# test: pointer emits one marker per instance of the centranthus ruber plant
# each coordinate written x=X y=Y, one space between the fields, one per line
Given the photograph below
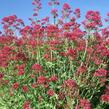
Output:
x=54 y=66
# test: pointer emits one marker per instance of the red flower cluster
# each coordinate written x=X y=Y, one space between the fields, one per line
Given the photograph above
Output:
x=15 y=85
x=66 y=6
x=24 y=88
x=50 y=92
x=54 y=12
x=11 y=22
x=77 y=12
x=93 y=20
x=37 y=4
x=100 y=73
x=26 y=105
x=37 y=68
x=41 y=80
x=70 y=83
x=66 y=10
x=85 y=104
x=53 y=78
x=105 y=98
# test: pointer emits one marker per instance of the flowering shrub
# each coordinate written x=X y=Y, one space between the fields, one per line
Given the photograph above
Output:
x=54 y=66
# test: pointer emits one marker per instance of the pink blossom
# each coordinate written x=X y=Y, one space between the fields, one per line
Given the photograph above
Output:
x=100 y=72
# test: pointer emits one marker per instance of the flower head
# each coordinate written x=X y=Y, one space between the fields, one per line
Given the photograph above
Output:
x=100 y=73
x=105 y=98
x=41 y=80
x=70 y=83
x=15 y=85
x=85 y=104
x=37 y=67
x=50 y=92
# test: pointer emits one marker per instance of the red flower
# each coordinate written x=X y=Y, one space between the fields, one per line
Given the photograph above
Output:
x=13 y=17
x=15 y=85
x=21 y=56
x=26 y=105
x=5 y=19
x=71 y=52
x=96 y=61
x=37 y=67
x=54 y=12
x=100 y=73
x=33 y=85
x=66 y=6
x=81 y=69
x=46 y=56
x=70 y=83
x=50 y=92
x=105 y=98
x=24 y=88
x=93 y=19
x=77 y=12
x=41 y=80
x=20 y=67
x=53 y=78
x=62 y=54
x=20 y=72
x=85 y=104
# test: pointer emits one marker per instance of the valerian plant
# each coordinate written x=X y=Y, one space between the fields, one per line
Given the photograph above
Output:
x=54 y=66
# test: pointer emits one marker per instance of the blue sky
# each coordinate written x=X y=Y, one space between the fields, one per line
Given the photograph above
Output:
x=24 y=9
